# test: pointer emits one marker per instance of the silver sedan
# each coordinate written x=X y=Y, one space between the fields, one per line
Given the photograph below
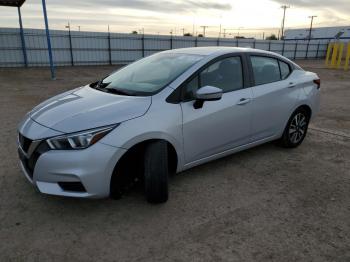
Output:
x=161 y=115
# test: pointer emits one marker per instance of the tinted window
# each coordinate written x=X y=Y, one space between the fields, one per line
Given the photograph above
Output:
x=285 y=70
x=190 y=89
x=150 y=74
x=265 y=69
x=225 y=74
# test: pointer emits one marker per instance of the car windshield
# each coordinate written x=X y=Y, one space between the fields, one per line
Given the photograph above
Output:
x=149 y=75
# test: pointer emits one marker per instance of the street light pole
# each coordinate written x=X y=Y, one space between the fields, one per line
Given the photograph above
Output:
x=312 y=19
x=22 y=37
x=52 y=68
x=283 y=20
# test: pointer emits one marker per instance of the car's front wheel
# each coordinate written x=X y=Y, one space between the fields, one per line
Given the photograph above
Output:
x=156 y=172
x=296 y=129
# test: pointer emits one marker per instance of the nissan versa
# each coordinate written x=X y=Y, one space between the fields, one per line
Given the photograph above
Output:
x=163 y=114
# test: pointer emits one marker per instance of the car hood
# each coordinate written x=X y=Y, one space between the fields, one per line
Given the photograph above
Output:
x=85 y=108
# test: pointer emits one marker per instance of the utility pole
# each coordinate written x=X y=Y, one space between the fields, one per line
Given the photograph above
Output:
x=79 y=28
x=220 y=26
x=183 y=31
x=312 y=19
x=284 y=7
x=70 y=44
x=193 y=25
x=204 y=27
x=227 y=29
x=239 y=28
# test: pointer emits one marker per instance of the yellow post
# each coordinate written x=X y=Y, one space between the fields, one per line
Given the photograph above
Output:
x=329 y=49
x=334 y=55
x=347 y=58
x=340 y=56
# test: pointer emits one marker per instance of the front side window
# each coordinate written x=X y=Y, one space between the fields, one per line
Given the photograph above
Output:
x=265 y=70
x=150 y=74
x=226 y=74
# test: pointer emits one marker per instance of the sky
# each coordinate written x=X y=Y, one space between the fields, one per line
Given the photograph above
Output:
x=244 y=17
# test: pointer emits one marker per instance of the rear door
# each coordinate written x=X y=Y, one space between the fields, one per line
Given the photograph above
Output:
x=275 y=95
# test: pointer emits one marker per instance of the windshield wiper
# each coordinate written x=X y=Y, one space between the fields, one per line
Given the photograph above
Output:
x=113 y=90
x=118 y=91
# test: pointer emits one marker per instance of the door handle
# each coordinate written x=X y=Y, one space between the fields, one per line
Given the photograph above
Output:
x=243 y=101
x=291 y=85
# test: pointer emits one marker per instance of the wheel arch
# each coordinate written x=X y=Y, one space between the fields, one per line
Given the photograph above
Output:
x=132 y=160
x=305 y=107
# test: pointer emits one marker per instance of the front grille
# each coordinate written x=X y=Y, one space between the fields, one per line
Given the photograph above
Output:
x=29 y=161
x=24 y=142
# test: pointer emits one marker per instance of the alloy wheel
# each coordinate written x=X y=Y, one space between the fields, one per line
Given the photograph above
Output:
x=297 y=128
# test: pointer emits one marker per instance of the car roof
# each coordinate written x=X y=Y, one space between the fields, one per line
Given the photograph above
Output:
x=215 y=50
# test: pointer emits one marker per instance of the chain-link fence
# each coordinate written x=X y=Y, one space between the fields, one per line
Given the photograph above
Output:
x=94 y=48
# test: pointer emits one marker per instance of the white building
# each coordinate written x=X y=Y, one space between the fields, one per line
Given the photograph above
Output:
x=320 y=33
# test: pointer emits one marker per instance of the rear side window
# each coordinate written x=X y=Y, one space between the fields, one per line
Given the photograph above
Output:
x=285 y=70
x=265 y=70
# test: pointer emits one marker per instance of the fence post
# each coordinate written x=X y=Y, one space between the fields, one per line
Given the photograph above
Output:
x=143 y=45
x=196 y=41
x=218 y=41
x=109 y=48
x=236 y=42
x=318 y=48
x=70 y=47
x=254 y=43
x=171 y=41
x=307 y=49
x=283 y=46
x=269 y=45
x=295 y=50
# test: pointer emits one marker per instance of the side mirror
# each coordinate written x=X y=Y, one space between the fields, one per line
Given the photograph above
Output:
x=207 y=93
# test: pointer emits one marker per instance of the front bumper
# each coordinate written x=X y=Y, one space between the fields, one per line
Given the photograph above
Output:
x=92 y=167
x=75 y=173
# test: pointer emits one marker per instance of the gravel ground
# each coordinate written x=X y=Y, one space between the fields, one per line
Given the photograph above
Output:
x=263 y=204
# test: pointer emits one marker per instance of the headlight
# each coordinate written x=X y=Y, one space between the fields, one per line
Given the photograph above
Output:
x=79 y=140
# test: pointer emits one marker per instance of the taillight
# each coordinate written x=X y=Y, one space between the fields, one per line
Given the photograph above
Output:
x=318 y=83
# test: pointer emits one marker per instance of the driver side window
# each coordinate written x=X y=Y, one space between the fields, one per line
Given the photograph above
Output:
x=226 y=74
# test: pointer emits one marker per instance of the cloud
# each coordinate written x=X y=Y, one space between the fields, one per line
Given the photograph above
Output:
x=341 y=6
x=148 y=5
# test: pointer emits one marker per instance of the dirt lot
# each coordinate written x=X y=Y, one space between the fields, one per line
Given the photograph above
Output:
x=264 y=204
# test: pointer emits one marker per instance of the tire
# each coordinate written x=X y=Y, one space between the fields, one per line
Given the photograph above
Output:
x=296 y=129
x=156 y=172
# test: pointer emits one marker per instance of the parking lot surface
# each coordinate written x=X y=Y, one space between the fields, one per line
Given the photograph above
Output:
x=264 y=204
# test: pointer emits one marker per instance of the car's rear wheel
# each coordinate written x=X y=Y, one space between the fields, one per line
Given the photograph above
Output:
x=156 y=172
x=296 y=129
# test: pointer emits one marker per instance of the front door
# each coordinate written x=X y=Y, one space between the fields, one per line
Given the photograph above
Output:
x=218 y=125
